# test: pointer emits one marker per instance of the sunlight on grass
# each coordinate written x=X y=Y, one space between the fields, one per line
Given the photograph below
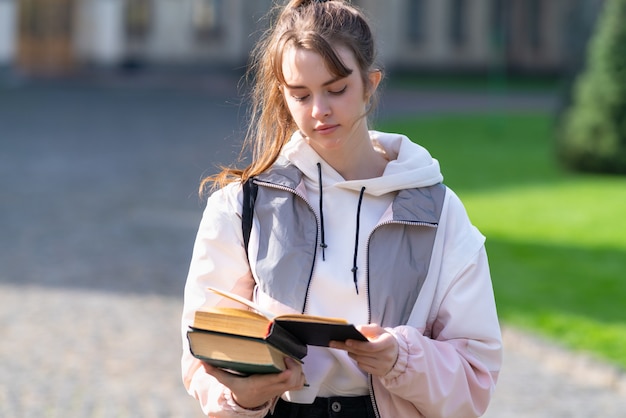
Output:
x=587 y=212
x=556 y=240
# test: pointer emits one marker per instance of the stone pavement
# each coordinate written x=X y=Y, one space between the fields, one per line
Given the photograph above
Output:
x=98 y=212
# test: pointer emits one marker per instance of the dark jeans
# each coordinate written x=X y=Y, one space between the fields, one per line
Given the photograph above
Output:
x=336 y=407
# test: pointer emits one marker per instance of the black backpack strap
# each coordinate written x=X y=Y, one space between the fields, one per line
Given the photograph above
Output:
x=249 y=196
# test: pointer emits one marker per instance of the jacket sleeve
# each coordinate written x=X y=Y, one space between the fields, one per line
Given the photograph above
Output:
x=450 y=368
x=219 y=260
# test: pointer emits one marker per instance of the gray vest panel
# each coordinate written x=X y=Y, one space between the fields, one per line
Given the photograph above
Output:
x=398 y=257
x=287 y=237
x=399 y=254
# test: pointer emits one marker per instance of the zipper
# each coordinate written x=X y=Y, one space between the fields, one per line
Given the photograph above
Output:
x=372 y=397
x=306 y=298
x=317 y=221
x=367 y=289
x=367 y=251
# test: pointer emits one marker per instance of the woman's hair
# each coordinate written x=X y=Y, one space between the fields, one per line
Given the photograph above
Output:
x=314 y=25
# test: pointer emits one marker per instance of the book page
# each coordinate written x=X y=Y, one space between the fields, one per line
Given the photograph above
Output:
x=243 y=301
x=310 y=318
x=272 y=316
x=235 y=312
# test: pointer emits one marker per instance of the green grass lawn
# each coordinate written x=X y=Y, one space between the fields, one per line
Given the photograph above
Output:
x=492 y=81
x=556 y=240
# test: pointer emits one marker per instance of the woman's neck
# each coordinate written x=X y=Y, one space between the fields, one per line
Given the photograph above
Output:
x=358 y=163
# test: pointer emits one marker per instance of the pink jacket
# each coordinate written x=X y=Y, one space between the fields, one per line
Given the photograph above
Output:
x=450 y=348
x=441 y=370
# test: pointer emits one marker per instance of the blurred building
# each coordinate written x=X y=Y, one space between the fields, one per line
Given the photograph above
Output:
x=61 y=36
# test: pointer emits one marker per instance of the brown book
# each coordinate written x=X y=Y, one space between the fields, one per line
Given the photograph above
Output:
x=251 y=340
x=236 y=354
x=307 y=329
x=246 y=323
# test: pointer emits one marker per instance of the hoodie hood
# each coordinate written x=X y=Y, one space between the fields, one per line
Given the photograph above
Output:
x=410 y=165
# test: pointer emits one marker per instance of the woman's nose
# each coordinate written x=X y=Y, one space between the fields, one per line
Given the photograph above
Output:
x=321 y=109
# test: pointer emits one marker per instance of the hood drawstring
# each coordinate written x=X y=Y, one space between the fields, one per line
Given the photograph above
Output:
x=323 y=245
x=323 y=242
x=356 y=240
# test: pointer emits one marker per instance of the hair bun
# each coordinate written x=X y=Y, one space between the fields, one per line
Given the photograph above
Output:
x=303 y=3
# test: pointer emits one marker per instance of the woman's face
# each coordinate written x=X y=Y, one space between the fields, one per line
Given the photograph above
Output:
x=328 y=110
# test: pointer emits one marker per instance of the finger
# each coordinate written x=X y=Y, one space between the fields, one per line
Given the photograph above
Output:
x=224 y=377
x=292 y=364
x=373 y=348
x=299 y=378
x=351 y=345
x=214 y=371
x=371 y=331
x=373 y=366
x=270 y=382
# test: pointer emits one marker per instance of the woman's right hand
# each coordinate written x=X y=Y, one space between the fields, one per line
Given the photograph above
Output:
x=256 y=390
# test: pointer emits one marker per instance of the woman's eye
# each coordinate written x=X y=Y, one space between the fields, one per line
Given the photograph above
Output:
x=338 y=92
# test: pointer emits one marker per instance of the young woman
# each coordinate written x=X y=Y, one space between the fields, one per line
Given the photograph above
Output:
x=347 y=223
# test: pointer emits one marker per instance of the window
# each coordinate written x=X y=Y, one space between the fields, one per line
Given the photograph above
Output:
x=138 y=17
x=206 y=18
x=416 y=25
x=46 y=19
x=534 y=15
x=499 y=28
x=458 y=22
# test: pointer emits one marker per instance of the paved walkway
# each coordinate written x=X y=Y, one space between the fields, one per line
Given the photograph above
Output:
x=98 y=214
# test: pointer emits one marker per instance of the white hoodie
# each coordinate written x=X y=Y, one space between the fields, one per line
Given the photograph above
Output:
x=450 y=348
x=332 y=292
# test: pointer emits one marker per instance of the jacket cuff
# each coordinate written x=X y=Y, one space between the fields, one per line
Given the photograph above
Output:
x=233 y=406
x=403 y=357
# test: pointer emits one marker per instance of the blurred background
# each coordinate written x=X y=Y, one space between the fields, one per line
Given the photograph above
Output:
x=55 y=37
x=111 y=112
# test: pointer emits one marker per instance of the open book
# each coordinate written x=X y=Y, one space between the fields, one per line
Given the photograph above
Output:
x=308 y=329
x=253 y=340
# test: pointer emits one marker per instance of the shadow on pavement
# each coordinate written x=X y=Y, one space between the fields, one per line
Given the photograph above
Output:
x=98 y=182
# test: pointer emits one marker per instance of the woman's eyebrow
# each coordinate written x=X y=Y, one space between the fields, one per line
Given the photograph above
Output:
x=325 y=84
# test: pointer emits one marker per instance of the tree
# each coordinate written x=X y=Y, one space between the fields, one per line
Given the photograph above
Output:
x=592 y=131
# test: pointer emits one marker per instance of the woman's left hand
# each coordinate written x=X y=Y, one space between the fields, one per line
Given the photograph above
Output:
x=376 y=356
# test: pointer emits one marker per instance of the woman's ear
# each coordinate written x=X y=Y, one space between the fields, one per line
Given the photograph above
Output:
x=375 y=77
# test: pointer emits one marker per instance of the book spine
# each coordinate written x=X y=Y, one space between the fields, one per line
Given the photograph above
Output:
x=285 y=341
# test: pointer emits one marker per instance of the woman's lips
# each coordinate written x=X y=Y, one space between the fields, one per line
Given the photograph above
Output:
x=326 y=129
